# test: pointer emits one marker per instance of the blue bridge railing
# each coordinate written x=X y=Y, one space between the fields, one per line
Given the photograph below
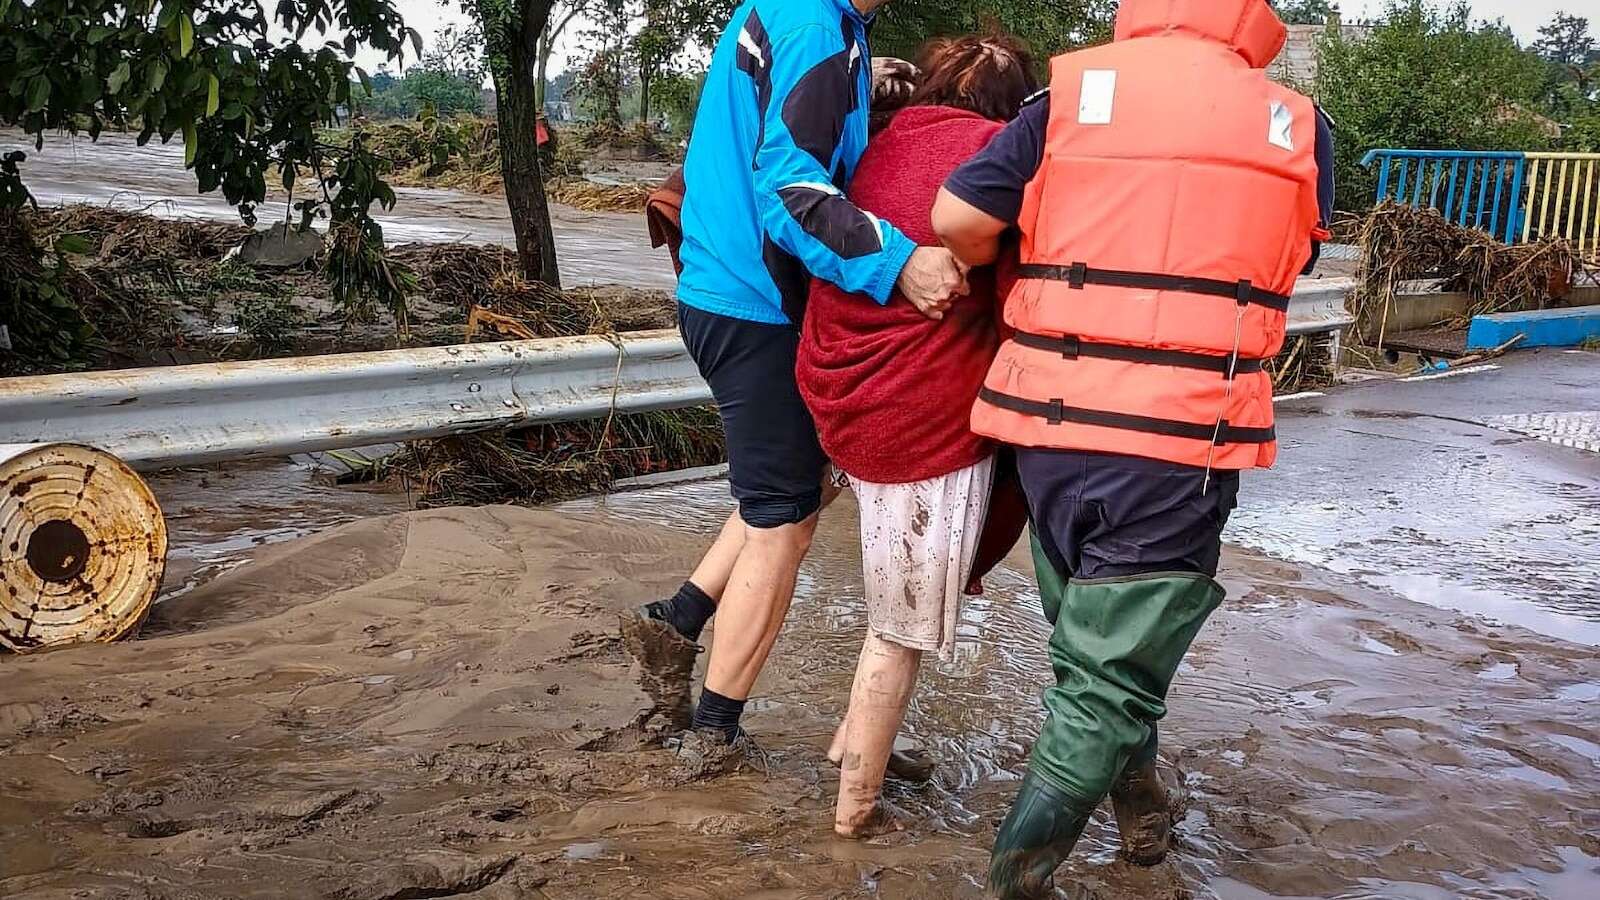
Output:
x=1513 y=195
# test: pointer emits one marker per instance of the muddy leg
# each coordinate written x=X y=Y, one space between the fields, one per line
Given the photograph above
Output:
x=884 y=678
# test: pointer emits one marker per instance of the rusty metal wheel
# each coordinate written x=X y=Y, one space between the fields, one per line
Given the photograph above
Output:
x=83 y=547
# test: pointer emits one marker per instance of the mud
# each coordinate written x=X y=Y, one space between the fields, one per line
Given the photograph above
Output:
x=594 y=247
x=439 y=704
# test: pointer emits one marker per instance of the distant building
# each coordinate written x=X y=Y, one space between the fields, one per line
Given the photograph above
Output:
x=1296 y=66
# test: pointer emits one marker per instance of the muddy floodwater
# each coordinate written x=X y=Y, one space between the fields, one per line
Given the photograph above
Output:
x=436 y=704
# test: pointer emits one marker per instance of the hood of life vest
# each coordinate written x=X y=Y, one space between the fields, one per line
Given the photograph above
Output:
x=1249 y=27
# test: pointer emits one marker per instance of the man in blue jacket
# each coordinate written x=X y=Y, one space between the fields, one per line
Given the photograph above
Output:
x=781 y=125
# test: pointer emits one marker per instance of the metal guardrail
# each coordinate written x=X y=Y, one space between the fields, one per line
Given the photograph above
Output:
x=180 y=415
x=1318 y=305
x=1513 y=195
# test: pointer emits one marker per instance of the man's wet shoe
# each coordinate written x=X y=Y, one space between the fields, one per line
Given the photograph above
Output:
x=914 y=765
x=666 y=667
x=710 y=752
x=1144 y=814
x=1038 y=835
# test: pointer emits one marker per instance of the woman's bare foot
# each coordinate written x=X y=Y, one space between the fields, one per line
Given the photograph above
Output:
x=882 y=818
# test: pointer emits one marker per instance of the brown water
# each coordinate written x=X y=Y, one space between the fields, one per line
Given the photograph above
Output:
x=436 y=704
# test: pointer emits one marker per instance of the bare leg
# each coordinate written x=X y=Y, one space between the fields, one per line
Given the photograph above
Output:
x=754 y=605
x=885 y=676
x=836 y=747
x=716 y=567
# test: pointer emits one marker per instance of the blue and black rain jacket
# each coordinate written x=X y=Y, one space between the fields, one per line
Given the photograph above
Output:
x=781 y=125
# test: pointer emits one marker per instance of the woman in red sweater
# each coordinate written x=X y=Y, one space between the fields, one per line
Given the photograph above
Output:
x=891 y=392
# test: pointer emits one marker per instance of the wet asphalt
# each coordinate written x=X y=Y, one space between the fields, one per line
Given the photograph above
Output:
x=1476 y=490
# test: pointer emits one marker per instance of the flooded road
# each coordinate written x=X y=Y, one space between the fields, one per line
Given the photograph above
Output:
x=593 y=247
x=1477 y=492
x=436 y=704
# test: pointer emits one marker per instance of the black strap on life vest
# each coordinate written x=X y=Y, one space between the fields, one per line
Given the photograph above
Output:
x=1071 y=347
x=1079 y=274
x=1055 y=413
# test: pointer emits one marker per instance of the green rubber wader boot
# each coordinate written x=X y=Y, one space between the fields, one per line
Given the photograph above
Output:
x=1138 y=798
x=1038 y=835
x=1115 y=649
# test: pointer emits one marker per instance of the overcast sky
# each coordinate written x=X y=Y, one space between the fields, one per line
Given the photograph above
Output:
x=1524 y=17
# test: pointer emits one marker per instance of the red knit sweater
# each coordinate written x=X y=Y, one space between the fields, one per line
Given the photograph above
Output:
x=891 y=391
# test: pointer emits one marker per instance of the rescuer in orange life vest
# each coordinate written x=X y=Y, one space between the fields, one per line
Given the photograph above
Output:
x=1166 y=195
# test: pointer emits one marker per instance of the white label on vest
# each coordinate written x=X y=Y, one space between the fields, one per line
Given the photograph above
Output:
x=1280 y=127
x=1096 y=96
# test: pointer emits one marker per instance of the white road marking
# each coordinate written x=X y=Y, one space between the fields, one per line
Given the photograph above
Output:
x=1578 y=430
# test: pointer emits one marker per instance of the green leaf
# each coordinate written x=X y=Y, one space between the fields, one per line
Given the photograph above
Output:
x=191 y=145
x=156 y=76
x=99 y=33
x=118 y=77
x=213 y=96
x=185 y=37
x=38 y=93
x=73 y=243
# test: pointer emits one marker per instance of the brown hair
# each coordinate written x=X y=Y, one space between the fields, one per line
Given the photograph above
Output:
x=987 y=74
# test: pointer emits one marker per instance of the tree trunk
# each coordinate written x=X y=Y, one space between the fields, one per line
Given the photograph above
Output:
x=546 y=43
x=514 y=53
x=644 y=95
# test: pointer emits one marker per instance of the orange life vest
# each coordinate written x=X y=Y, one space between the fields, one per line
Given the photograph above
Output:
x=1161 y=238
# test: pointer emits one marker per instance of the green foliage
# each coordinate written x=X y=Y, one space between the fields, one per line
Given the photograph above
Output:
x=603 y=75
x=361 y=277
x=1304 y=12
x=38 y=301
x=677 y=96
x=269 y=321
x=1049 y=27
x=215 y=74
x=447 y=93
x=1426 y=78
x=1566 y=41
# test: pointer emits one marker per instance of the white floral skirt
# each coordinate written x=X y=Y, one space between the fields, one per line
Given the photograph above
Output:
x=917 y=545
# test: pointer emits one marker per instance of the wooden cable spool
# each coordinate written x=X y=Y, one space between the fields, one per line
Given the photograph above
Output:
x=83 y=547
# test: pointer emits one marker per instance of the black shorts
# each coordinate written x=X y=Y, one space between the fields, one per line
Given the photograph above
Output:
x=1105 y=515
x=775 y=464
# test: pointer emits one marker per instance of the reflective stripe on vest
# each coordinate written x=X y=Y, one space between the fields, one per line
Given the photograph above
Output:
x=1079 y=274
x=1055 y=412
x=1072 y=348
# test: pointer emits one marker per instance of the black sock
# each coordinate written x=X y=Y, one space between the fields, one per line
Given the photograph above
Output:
x=689 y=610
x=719 y=712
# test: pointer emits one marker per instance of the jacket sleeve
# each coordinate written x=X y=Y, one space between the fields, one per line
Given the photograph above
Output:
x=813 y=92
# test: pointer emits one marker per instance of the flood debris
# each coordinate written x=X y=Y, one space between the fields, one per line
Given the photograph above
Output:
x=1402 y=243
x=553 y=462
x=145 y=291
x=591 y=196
